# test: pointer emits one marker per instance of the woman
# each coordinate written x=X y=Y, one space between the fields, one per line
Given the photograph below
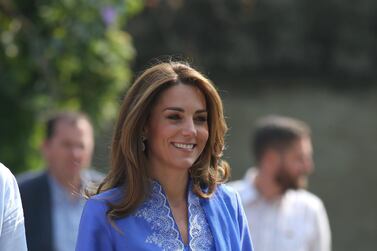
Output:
x=163 y=190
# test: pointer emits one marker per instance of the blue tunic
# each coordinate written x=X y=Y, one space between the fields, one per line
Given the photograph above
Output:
x=218 y=223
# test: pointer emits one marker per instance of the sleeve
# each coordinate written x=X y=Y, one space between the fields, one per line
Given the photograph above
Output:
x=323 y=234
x=12 y=227
x=94 y=231
x=245 y=238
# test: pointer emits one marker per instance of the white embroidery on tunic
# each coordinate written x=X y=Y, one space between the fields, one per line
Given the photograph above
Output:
x=156 y=211
x=200 y=234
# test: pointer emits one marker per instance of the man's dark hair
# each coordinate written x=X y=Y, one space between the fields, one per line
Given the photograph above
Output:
x=70 y=117
x=277 y=132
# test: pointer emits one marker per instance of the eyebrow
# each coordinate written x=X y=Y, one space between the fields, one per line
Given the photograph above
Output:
x=182 y=110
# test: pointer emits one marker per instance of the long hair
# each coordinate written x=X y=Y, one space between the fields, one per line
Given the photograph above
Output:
x=128 y=160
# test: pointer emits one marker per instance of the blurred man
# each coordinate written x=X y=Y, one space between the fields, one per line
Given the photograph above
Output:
x=282 y=215
x=51 y=200
x=12 y=229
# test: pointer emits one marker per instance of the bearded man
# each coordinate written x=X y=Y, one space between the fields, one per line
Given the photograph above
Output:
x=283 y=215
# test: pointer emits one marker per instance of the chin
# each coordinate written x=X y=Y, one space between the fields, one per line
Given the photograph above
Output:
x=186 y=165
x=73 y=171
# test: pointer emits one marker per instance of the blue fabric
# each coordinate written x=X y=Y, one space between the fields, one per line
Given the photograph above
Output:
x=222 y=225
x=227 y=219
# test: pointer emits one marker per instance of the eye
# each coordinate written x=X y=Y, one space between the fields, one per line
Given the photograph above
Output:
x=174 y=116
x=81 y=146
x=201 y=118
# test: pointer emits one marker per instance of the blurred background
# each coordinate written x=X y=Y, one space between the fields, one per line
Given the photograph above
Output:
x=314 y=60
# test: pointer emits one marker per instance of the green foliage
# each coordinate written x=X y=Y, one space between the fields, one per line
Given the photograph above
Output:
x=67 y=54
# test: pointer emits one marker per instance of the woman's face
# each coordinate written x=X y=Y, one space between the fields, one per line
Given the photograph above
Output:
x=177 y=130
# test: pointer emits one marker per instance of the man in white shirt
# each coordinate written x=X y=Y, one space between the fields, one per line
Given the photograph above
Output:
x=12 y=229
x=281 y=214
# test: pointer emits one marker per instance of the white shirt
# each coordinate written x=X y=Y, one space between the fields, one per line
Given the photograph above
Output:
x=297 y=221
x=12 y=228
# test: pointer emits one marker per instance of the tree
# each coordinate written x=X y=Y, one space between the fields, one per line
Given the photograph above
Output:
x=67 y=54
x=248 y=39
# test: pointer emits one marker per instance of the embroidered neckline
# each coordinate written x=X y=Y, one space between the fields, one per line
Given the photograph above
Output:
x=200 y=235
x=156 y=211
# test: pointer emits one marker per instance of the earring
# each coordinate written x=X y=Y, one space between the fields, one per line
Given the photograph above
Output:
x=143 y=138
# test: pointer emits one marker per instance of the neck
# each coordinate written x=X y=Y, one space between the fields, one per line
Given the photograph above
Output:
x=173 y=183
x=267 y=186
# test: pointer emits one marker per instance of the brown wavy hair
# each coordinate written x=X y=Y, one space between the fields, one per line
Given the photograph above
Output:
x=128 y=160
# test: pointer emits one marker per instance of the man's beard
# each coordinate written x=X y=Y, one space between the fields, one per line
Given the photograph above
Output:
x=288 y=181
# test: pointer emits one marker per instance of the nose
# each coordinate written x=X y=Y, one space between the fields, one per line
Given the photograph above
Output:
x=189 y=129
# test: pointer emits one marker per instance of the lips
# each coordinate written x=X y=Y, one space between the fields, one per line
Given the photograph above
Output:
x=184 y=146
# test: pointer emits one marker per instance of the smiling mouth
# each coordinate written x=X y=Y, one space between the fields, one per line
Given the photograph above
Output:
x=184 y=146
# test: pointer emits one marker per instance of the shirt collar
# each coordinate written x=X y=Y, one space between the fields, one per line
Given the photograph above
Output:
x=250 y=193
x=59 y=191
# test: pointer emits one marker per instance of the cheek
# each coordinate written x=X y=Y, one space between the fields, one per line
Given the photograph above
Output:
x=87 y=154
x=203 y=134
x=158 y=135
x=296 y=168
x=55 y=152
x=165 y=132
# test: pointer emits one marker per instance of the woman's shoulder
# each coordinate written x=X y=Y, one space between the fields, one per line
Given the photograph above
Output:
x=95 y=226
x=110 y=195
x=227 y=194
x=100 y=202
x=226 y=191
